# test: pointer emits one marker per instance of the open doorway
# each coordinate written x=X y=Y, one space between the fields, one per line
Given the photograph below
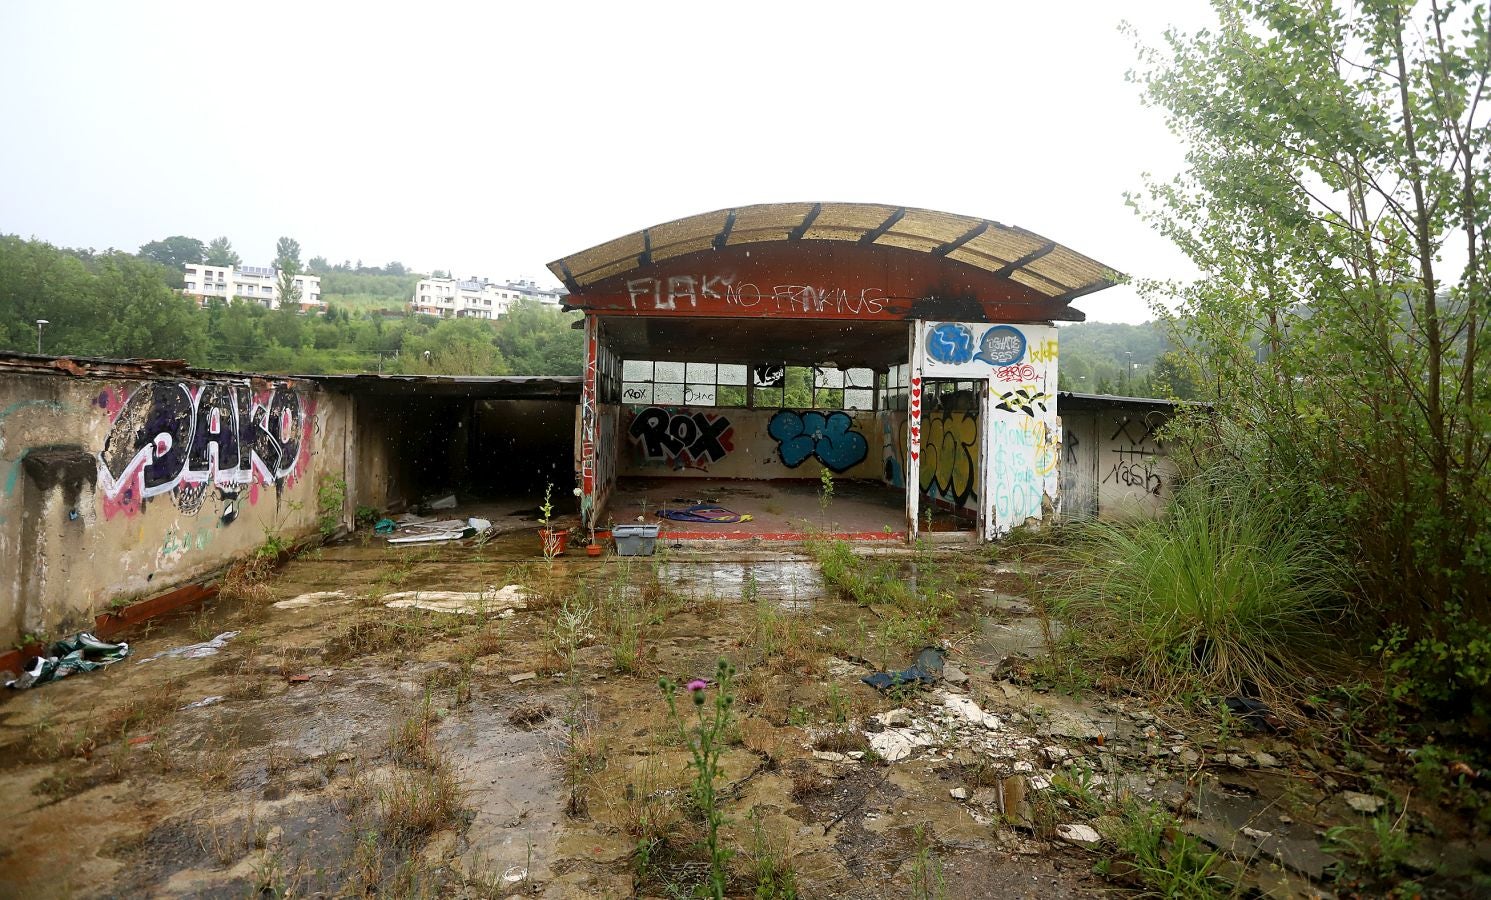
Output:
x=952 y=452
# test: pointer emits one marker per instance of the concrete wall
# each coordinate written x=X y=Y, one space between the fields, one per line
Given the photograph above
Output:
x=116 y=488
x=1111 y=465
x=710 y=442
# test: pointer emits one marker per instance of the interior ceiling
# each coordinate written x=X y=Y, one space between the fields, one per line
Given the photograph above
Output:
x=876 y=344
x=1042 y=265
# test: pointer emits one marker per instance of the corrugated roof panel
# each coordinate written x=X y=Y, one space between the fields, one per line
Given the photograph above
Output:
x=834 y=233
x=1071 y=268
x=707 y=226
x=1058 y=272
x=602 y=254
x=940 y=227
x=861 y=216
x=910 y=241
x=758 y=234
x=771 y=216
x=1004 y=244
x=615 y=268
x=1036 y=282
x=681 y=247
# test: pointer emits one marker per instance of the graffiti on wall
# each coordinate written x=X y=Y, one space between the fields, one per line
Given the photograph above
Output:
x=684 y=440
x=182 y=439
x=1017 y=489
x=950 y=454
x=828 y=437
x=705 y=291
x=1025 y=400
x=1001 y=346
x=1137 y=463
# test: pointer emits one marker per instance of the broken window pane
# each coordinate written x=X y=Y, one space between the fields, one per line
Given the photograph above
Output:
x=859 y=398
x=859 y=378
x=769 y=375
x=730 y=395
x=828 y=378
x=669 y=371
x=732 y=374
x=637 y=370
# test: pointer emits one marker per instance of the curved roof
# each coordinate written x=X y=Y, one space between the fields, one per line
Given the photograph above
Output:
x=1028 y=259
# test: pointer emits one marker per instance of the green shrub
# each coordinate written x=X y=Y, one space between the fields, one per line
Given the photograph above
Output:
x=1229 y=591
x=1444 y=674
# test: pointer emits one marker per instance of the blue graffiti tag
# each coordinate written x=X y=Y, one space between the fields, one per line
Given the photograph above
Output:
x=950 y=343
x=829 y=437
x=1001 y=346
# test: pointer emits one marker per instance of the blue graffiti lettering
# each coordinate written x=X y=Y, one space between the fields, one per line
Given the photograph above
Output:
x=830 y=438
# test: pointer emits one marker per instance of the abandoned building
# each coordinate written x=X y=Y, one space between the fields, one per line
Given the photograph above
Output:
x=870 y=371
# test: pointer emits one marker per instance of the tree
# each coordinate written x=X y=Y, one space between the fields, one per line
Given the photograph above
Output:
x=318 y=265
x=175 y=251
x=1335 y=202
x=221 y=253
x=287 y=264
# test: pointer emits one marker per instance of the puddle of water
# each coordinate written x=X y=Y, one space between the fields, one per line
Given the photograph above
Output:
x=789 y=580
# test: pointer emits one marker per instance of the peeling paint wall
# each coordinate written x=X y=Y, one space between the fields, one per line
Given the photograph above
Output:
x=718 y=442
x=116 y=488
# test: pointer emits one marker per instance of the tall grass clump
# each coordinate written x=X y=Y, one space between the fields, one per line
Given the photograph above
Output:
x=1233 y=590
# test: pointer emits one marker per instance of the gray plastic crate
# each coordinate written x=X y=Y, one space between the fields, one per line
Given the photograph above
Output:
x=634 y=540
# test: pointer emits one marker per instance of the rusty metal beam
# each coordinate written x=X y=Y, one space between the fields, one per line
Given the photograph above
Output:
x=807 y=222
x=723 y=238
x=1007 y=269
x=568 y=278
x=967 y=236
x=887 y=225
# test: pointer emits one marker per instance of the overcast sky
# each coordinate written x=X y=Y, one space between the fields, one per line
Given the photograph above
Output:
x=491 y=138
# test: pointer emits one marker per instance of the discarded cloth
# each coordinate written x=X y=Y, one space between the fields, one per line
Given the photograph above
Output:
x=926 y=670
x=385 y=526
x=314 y=598
x=196 y=651
x=431 y=530
x=704 y=512
x=468 y=603
x=81 y=652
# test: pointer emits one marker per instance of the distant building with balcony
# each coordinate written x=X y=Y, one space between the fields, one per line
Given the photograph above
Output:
x=477 y=298
x=259 y=284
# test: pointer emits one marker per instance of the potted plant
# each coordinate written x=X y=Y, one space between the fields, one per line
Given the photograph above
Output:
x=594 y=547
x=553 y=540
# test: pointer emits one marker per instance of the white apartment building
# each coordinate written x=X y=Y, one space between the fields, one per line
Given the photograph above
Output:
x=261 y=284
x=477 y=298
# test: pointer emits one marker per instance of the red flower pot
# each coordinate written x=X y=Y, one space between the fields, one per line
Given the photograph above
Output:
x=553 y=541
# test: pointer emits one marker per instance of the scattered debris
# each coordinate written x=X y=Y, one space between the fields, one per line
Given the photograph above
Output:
x=1081 y=835
x=467 y=603
x=521 y=677
x=446 y=502
x=298 y=679
x=954 y=675
x=1366 y=804
x=205 y=701
x=1256 y=713
x=969 y=710
x=314 y=598
x=529 y=715
x=196 y=651
x=958 y=793
x=927 y=670
x=81 y=652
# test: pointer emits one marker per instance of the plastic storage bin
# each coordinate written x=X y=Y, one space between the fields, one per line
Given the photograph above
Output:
x=634 y=540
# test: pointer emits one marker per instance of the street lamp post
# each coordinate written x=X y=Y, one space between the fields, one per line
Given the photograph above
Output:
x=40 y=324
